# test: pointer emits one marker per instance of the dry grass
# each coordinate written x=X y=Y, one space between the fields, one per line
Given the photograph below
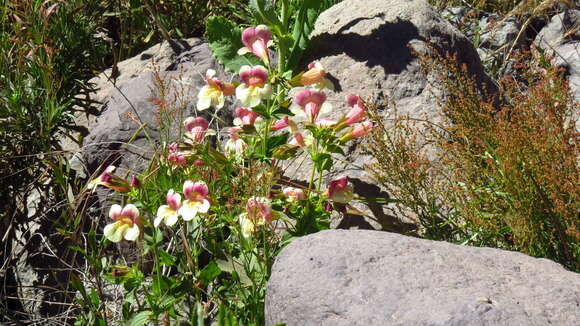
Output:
x=508 y=174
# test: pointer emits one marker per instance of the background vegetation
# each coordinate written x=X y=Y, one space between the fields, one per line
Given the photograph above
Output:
x=50 y=50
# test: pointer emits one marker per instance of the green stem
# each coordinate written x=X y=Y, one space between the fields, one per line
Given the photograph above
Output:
x=265 y=135
x=318 y=186
x=285 y=15
x=312 y=155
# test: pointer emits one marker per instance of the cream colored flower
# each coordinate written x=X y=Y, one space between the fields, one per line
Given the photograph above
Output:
x=126 y=225
x=168 y=214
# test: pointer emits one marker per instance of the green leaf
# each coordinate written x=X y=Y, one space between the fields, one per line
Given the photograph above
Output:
x=166 y=302
x=285 y=152
x=322 y=161
x=225 y=39
x=276 y=141
x=148 y=37
x=218 y=157
x=160 y=284
x=334 y=149
x=78 y=285
x=209 y=273
x=379 y=200
x=165 y=258
x=82 y=251
x=262 y=110
x=265 y=12
x=303 y=26
x=94 y=297
x=248 y=129
x=234 y=266
x=140 y=319
x=282 y=111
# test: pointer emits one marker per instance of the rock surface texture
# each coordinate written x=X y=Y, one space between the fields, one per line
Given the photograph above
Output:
x=561 y=38
x=367 y=49
x=357 y=277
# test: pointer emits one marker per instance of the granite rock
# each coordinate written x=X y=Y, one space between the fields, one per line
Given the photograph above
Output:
x=359 y=277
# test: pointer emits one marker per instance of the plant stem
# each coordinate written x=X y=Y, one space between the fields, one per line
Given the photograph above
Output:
x=186 y=247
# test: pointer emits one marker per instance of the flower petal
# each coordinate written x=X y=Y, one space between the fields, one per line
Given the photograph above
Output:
x=189 y=210
x=242 y=93
x=297 y=110
x=132 y=233
x=131 y=211
x=109 y=232
x=163 y=211
x=266 y=91
x=171 y=219
x=220 y=102
x=325 y=109
x=157 y=220
x=115 y=211
x=247 y=226
x=203 y=99
x=203 y=207
x=210 y=73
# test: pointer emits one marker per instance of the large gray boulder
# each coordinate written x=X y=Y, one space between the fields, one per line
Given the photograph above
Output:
x=367 y=49
x=356 y=277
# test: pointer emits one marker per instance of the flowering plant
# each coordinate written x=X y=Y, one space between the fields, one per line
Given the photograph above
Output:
x=214 y=243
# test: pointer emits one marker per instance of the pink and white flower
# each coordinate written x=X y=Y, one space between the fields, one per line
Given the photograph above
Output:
x=258 y=212
x=196 y=202
x=362 y=129
x=254 y=87
x=315 y=75
x=297 y=140
x=294 y=194
x=173 y=147
x=340 y=190
x=325 y=122
x=110 y=180
x=235 y=145
x=126 y=225
x=196 y=128
x=310 y=104
x=358 y=130
x=281 y=124
x=245 y=117
x=135 y=183
x=256 y=41
x=168 y=214
x=176 y=159
x=358 y=111
x=213 y=94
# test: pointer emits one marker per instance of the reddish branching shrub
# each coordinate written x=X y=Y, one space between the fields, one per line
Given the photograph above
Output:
x=504 y=173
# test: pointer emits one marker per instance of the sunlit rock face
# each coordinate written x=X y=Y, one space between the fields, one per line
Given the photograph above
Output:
x=360 y=277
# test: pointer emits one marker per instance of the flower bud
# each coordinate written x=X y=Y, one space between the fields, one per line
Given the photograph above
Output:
x=135 y=182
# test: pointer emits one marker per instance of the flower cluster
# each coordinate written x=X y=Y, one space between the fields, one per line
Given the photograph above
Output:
x=127 y=223
x=309 y=120
x=196 y=202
